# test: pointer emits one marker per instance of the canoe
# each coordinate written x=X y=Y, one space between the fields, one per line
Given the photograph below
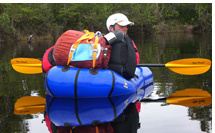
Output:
x=73 y=82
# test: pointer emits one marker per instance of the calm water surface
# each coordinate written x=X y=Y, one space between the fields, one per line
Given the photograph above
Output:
x=154 y=117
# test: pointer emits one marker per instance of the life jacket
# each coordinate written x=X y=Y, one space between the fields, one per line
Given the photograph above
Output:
x=48 y=60
x=136 y=52
x=82 y=50
x=138 y=104
x=48 y=122
x=123 y=59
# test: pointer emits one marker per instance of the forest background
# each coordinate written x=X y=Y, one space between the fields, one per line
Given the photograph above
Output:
x=50 y=20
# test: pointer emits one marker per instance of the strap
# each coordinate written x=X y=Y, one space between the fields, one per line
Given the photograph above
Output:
x=113 y=83
x=97 y=130
x=88 y=35
x=70 y=131
x=95 y=50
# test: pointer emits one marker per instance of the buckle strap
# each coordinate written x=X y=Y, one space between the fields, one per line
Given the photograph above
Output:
x=95 y=51
x=88 y=35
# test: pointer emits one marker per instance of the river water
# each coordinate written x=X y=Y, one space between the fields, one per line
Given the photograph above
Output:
x=154 y=117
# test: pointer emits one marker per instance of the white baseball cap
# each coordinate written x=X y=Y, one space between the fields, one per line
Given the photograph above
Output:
x=118 y=18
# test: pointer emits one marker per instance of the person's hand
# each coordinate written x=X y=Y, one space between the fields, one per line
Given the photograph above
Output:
x=114 y=36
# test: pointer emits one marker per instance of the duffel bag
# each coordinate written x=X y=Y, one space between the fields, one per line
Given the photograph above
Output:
x=82 y=50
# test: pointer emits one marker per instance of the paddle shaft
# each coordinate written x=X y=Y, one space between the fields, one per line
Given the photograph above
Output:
x=154 y=100
x=190 y=66
x=151 y=65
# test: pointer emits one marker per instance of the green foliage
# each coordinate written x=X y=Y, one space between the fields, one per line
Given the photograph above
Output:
x=4 y=25
x=55 y=18
x=4 y=20
x=1 y=8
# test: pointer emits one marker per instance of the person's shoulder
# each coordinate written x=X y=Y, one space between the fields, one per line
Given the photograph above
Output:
x=128 y=38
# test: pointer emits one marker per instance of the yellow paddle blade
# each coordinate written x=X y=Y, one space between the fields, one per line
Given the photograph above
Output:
x=191 y=92
x=29 y=105
x=190 y=101
x=29 y=110
x=27 y=65
x=190 y=66
x=190 y=97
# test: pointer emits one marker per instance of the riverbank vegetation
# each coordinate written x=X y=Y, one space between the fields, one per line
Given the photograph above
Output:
x=47 y=20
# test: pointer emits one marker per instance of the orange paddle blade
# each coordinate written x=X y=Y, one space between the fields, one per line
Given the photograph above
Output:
x=27 y=65
x=29 y=105
x=190 y=97
x=190 y=66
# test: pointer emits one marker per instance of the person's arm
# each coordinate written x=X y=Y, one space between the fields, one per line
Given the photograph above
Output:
x=114 y=36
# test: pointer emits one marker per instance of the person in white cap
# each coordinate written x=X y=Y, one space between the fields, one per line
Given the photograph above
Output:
x=115 y=23
x=118 y=21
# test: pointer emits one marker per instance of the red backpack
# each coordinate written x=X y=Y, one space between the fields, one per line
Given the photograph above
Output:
x=74 y=43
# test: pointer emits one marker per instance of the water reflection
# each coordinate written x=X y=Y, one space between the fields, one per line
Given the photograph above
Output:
x=117 y=114
x=166 y=117
x=70 y=113
x=83 y=114
x=85 y=111
x=31 y=48
x=205 y=119
x=190 y=97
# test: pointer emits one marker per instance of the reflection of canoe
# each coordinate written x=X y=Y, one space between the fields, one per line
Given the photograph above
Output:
x=77 y=82
x=85 y=111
